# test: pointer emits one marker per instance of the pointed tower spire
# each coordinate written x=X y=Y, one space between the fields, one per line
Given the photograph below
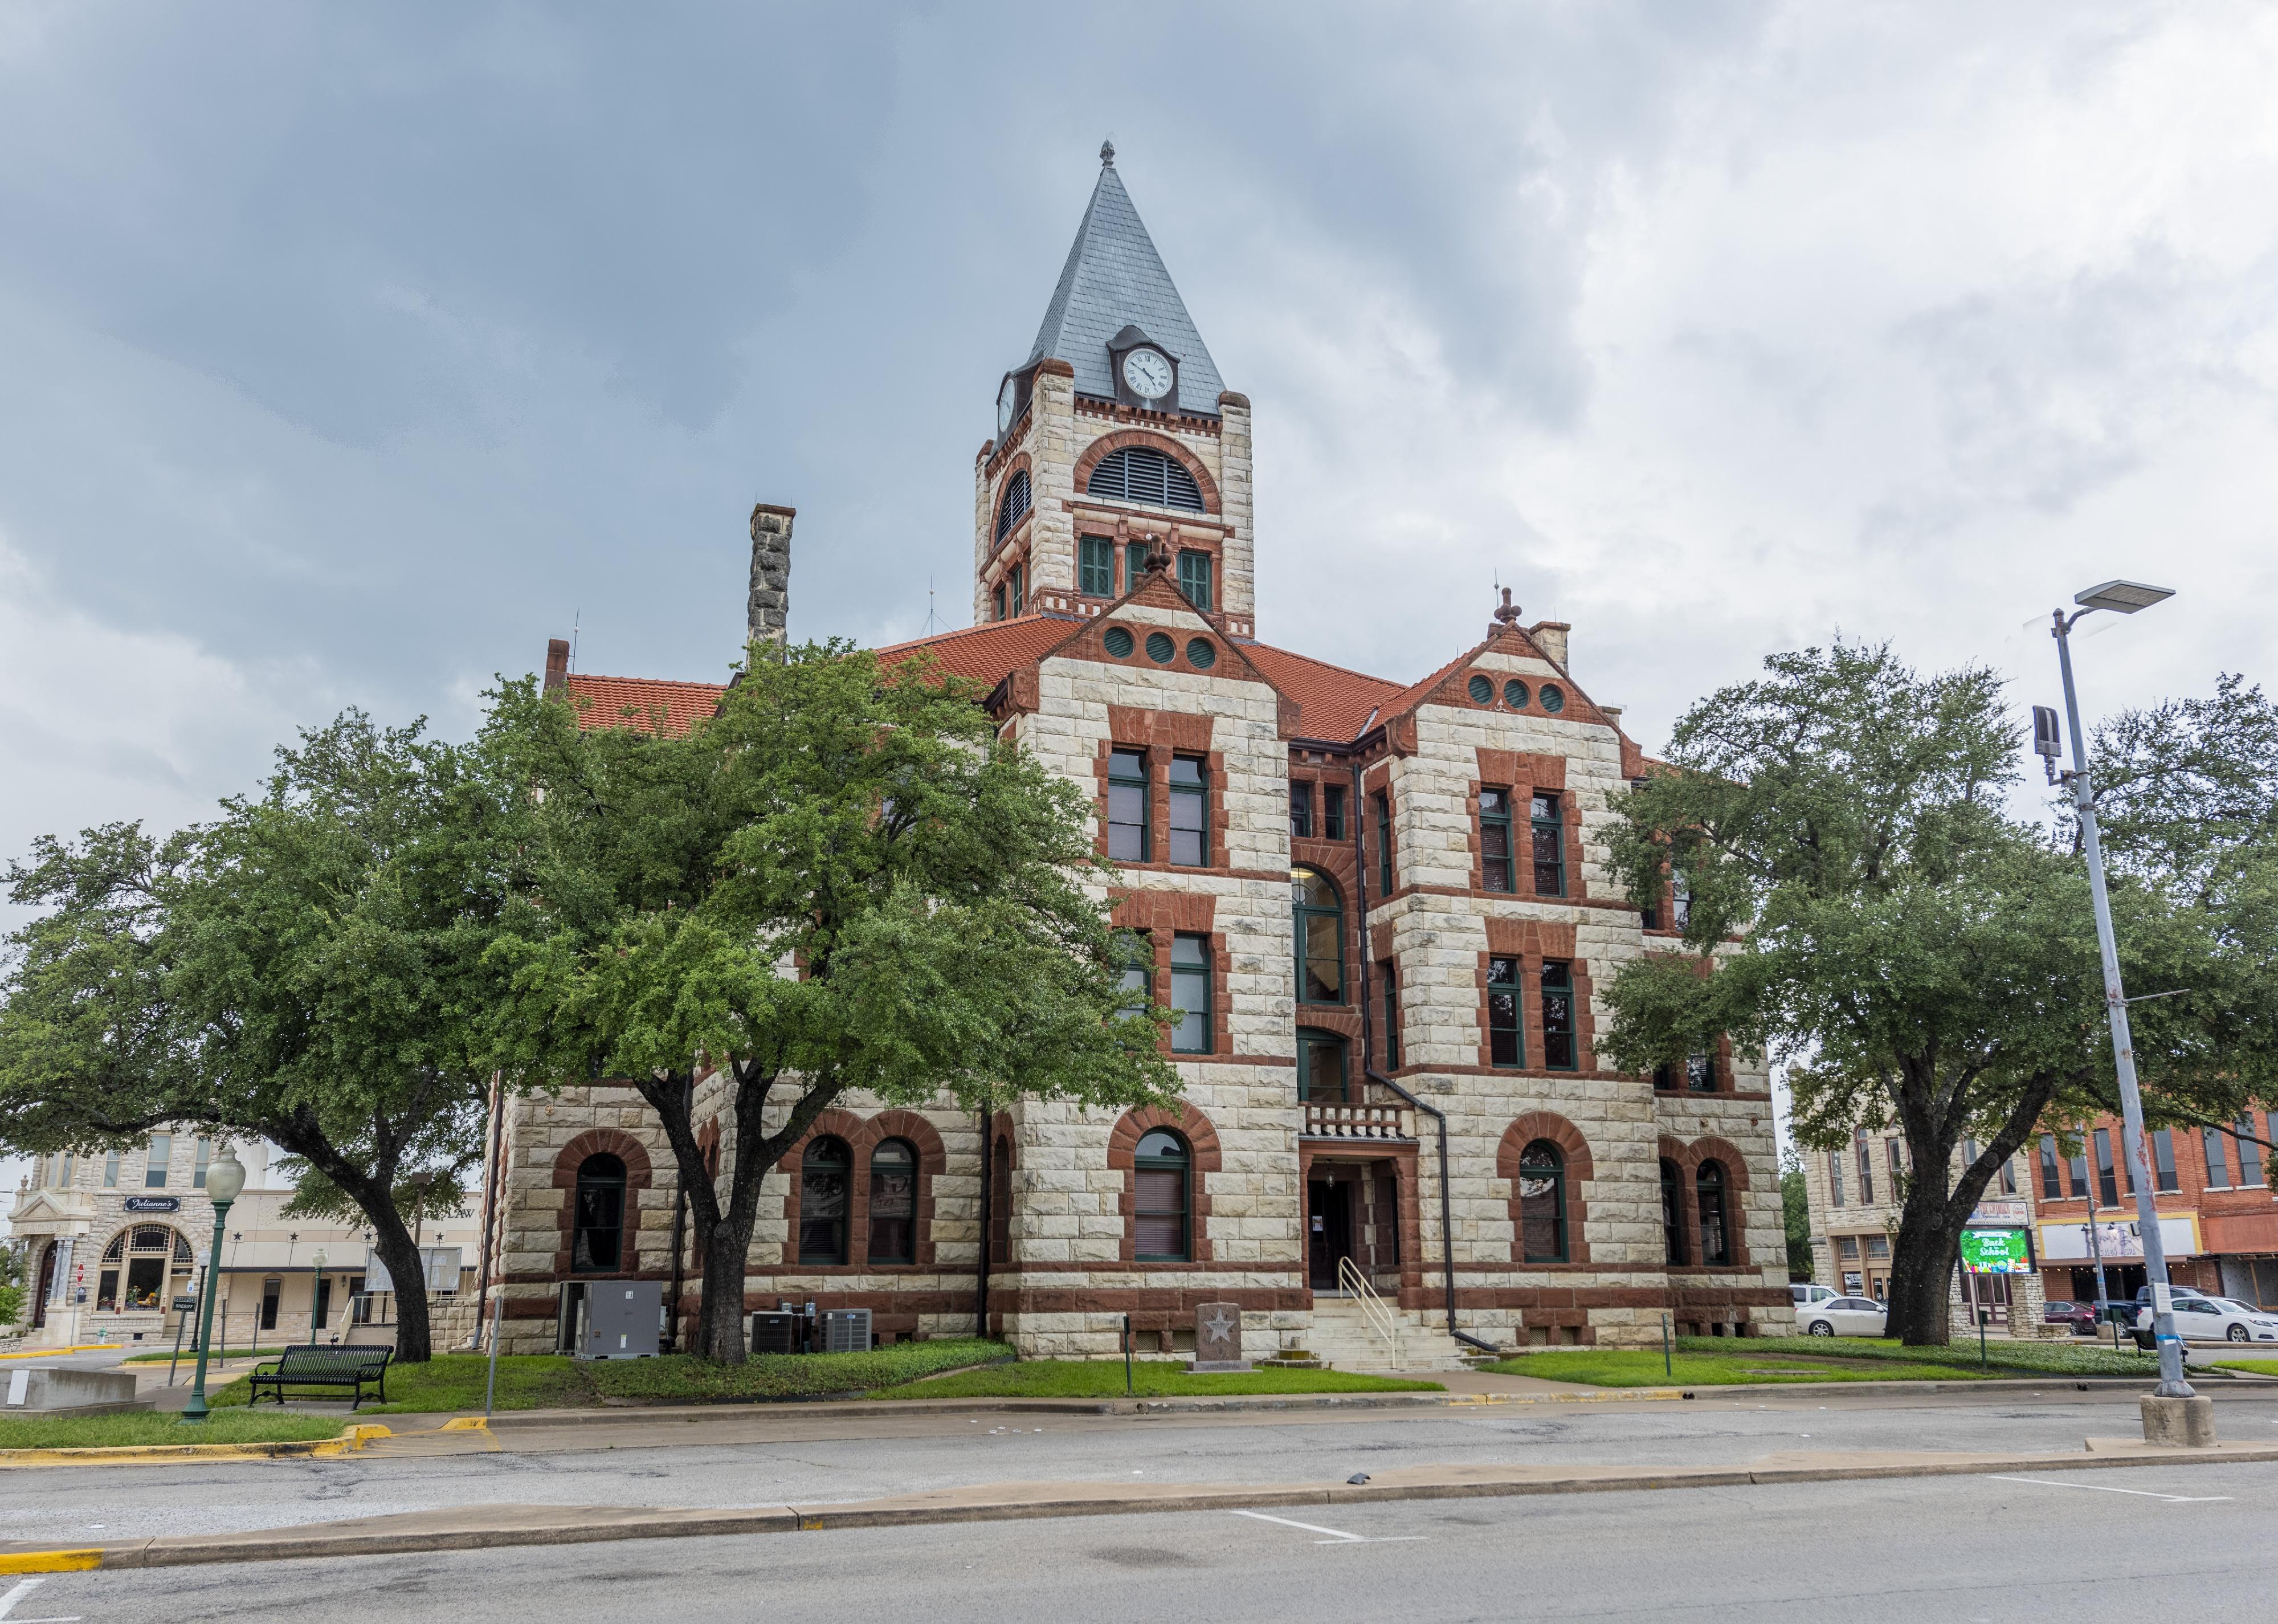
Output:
x=1115 y=278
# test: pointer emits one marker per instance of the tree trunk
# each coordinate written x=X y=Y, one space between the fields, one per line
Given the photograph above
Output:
x=720 y=1317
x=1921 y=1263
x=413 y=1342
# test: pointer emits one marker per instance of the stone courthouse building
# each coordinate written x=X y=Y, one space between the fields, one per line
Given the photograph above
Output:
x=1379 y=906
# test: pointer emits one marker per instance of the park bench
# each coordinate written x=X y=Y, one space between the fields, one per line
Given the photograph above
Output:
x=349 y=1370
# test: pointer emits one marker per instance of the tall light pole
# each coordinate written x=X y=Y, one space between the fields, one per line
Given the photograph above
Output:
x=224 y=1179
x=2123 y=598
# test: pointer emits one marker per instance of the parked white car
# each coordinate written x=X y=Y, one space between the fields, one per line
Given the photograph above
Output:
x=1844 y=1316
x=1810 y=1295
x=2216 y=1319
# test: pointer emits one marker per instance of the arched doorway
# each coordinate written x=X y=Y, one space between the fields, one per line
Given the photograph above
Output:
x=45 y=1287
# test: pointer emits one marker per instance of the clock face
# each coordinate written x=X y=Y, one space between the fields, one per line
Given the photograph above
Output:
x=1147 y=374
x=1007 y=399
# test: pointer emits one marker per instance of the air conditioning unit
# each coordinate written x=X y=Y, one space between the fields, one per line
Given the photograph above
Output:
x=845 y=1330
x=775 y=1333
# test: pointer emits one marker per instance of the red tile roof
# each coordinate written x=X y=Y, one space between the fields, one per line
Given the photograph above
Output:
x=1332 y=701
x=602 y=701
x=990 y=653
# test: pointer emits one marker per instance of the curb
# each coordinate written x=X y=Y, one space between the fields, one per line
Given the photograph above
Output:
x=84 y=1347
x=160 y=1454
x=505 y=1526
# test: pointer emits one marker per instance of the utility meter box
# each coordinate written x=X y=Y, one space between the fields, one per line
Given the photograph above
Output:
x=613 y=1319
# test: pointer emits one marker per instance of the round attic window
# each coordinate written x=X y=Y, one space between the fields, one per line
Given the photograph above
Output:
x=1202 y=654
x=1160 y=648
x=1482 y=691
x=1119 y=641
x=1514 y=694
x=1554 y=698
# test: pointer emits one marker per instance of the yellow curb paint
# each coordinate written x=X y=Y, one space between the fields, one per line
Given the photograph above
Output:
x=466 y=1423
x=160 y=1454
x=49 y=1561
x=84 y=1347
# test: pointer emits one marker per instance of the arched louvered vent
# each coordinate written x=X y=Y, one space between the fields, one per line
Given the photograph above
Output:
x=1141 y=473
x=1010 y=511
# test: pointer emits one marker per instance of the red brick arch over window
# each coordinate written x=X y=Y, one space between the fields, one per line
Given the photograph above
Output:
x=1201 y=1142
x=634 y=1154
x=1688 y=1159
x=863 y=1135
x=1523 y=1131
x=1107 y=445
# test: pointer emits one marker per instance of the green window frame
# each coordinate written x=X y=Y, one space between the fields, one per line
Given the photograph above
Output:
x=1556 y=981
x=1129 y=789
x=1390 y=969
x=1190 y=993
x=1136 y=949
x=1542 y=1203
x=1716 y=1234
x=1319 y=916
x=1020 y=579
x=997 y=602
x=1096 y=567
x=1384 y=873
x=1506 y=1038
x=1301 y=810
x=1189 y=812
x=1322 y=1077
x=1333 y=811
x=1194 y=578
x=1495 y=871
x=1163 y=1225
x=1135 y=565
x=1549 y=836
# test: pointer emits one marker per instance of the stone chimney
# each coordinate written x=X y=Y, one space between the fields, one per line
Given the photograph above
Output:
x=1550 y=636
x=768 y=612
x=557 y=664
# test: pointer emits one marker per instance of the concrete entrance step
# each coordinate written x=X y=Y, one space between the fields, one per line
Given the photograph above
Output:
x=1343 y=1335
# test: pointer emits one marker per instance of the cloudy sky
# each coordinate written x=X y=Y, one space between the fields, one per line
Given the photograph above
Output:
x=349 y=354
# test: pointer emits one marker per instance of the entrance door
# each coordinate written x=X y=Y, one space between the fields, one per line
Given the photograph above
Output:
x=1328 y=1224
x=47 y=1284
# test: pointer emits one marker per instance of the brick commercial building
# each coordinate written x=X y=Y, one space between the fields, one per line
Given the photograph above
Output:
x=1381 y=906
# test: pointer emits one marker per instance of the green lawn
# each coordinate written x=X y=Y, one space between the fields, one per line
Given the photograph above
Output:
x=1150 y=1378
x=1620 y=1368
x=149 y=1427
x=2010 y=1358
x=2252 y=1367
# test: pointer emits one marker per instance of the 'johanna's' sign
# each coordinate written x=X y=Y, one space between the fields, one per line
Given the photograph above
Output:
x=154 y=1204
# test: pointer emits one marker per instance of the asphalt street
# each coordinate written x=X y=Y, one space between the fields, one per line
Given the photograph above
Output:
x=2113 y=1545
x=789 y=1457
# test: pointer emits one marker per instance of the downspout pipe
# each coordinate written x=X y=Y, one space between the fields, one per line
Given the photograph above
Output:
x=1369 y=1070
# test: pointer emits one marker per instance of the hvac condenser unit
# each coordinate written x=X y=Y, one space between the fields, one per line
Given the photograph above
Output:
x=845 y=1330
x=775 y=1333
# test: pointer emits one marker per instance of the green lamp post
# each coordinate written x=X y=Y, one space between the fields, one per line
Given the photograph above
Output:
x=224 y=1179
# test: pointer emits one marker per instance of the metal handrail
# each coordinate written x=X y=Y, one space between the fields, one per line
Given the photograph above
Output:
x=1373 y=1310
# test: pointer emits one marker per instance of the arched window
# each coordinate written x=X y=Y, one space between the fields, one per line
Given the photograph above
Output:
x=1000 y=1201
x=822 y=1178
x=1014 y=504
x=893 y=1202
x=1321 y=1065
x=1320 y=921
x=597 y=1241
x=1672 y=1213
x=1142 y=473
x=1542 y=1203
x=135 y=1265
x=1163 y=1231
x=1715 y=1238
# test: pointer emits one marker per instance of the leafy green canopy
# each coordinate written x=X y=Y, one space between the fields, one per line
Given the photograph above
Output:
x=844 y=881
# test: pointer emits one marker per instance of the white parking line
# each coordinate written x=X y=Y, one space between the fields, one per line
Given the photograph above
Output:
x=25 y=1588
x=2173 y=1499
x=1337 y=1537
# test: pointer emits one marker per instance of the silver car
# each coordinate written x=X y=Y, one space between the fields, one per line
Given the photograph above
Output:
x=2215 y=1319
x=1844 y=1316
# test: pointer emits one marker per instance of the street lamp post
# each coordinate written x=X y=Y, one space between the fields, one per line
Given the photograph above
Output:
x=224 y=1179
x=2124 y=598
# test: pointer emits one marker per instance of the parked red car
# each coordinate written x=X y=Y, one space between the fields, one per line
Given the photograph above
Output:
x=2080 y=1316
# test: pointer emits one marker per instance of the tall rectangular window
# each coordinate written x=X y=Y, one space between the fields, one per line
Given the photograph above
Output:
x=1506 y=1042
x=2077 y=1169
x=2250 y=1155
x=1190 y=993
x=2009 y=1177
x=1866 y=1161
x=1680 y=902
x=1333 y=812
x=1558 y=1016
x=2163 y=1159
x=1891 y=1154
x=1095 y=569
x=2051 y=1190
x=1495 y=840
x=1391 y=1015
x=1127 y=806
x=1189 y=812
x=1549 y=847
x=1195 y=580
x=1019 y=579
x=1701 y=1072
x=2105 y=1188
x=198 y=1167
x=1384 y=843
x=1835 y=1178
x=111 y=1170
x=2218 y=1157
x=1135 y=565
x=1301 y=811
x=997 y=602
x=1138 y=949
x=162 y=1152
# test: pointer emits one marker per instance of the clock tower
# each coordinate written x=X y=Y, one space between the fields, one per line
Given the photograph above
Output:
x=1114 y=439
